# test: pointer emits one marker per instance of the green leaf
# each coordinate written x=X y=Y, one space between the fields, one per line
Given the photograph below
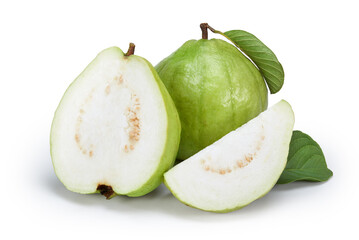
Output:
x=266 y=61
x=306 y=161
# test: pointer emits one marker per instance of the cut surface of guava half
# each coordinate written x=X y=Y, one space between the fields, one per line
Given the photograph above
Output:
x=240 y=167
x=116 y=129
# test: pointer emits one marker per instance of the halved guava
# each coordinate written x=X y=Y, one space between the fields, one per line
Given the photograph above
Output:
x=116 y=129
x=240 y=167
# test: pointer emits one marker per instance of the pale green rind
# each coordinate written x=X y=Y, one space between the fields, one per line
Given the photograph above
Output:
x=69 y=88
x=216 y=211
x=215 y=88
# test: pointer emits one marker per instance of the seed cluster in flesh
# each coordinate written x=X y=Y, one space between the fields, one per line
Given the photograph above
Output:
x=79 y=120
x=240 y=163
x=133 y=122
x=132 y=112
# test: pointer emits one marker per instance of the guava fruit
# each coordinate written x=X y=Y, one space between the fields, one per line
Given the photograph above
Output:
x=116 y=129
x=215 y=88
x=240 y=167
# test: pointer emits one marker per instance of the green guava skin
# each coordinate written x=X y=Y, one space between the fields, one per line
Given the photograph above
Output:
x=216 y=89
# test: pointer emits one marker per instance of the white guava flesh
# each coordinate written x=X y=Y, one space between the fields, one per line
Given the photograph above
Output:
x=116 y=129
x=240 y=167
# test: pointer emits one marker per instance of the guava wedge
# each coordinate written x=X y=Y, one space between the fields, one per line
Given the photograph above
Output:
x=116 y=129
x=239 y=168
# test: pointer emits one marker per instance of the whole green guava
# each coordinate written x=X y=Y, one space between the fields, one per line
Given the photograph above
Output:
x=215 y=88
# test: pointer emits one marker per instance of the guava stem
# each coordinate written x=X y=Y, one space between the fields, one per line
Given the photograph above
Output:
x=204 y=28
x=131 y=50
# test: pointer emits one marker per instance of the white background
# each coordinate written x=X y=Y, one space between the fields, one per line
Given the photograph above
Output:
x=46 y=44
